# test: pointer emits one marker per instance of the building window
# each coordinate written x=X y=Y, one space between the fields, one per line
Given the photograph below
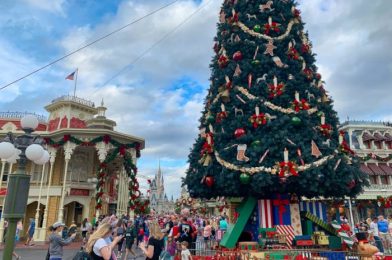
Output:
x=79 y=167
x=378 y=145
x=36 y=173
x=373 y=179
x=384 y=180
x=368 y=144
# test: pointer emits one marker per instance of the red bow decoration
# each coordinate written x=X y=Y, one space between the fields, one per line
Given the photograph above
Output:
x=106 y=139
x=122 y=150
x=223 y=60
x=275 y=91
x=257 y=120
x=281 y=204
x=293 y=53
x=308 y=73
x=287 y=167
x=296 y=13
x=344 y=147
x=66 y=138
x=273 y=26
x=305 y=48
x=325 y=129
x=300 y=105
x=220 y=116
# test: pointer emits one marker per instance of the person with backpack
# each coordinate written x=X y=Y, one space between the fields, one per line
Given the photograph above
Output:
x=155 y=245
x=130 y=235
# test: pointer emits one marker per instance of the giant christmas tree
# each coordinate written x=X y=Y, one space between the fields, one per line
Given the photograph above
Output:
x=268 y=125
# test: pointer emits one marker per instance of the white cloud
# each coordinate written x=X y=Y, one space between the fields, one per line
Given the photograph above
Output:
x=349 y=39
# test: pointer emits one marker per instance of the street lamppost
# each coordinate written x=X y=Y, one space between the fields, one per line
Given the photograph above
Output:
x=19 y=182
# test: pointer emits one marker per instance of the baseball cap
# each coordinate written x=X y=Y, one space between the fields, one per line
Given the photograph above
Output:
x=58 y=224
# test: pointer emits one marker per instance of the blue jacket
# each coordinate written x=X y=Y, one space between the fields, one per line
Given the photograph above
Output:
x=383 y=226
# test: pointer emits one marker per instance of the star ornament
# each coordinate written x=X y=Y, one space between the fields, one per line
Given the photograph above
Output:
x=270 y=47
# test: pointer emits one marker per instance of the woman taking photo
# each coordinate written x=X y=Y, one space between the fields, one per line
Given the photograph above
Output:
x=56 y=241
x=155 y=242
x=99 y=245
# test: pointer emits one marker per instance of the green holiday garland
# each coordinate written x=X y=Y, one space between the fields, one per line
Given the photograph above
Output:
x=120 y=149
x=371 y=156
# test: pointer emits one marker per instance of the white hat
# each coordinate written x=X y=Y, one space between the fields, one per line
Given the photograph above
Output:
x=58 y=224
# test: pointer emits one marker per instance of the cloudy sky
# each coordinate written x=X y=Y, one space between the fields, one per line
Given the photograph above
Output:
x=160 y=96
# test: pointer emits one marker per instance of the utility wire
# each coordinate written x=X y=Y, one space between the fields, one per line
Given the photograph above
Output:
x=156 y=43
x=89 y=44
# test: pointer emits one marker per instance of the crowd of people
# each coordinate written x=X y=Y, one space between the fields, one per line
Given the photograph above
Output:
x=157 y=237
x=380 y=231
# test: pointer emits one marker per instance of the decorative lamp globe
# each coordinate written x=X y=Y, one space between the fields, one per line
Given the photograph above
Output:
x=7 y=150
x=44 y=159
x=14 y=157
x=34 y=152
x=29 y=122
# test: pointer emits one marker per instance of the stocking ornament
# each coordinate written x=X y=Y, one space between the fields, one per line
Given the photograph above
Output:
x=241 y=148
x=279 y=62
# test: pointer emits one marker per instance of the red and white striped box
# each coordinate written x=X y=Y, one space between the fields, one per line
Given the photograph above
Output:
x=265 y=213
x=288 y=231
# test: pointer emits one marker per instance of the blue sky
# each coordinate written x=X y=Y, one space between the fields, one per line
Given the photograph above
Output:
x=161 y=96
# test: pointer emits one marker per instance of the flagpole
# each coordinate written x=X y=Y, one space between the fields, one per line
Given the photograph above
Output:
x=76 y=81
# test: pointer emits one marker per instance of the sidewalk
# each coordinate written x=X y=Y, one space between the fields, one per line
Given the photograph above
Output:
x=41 y=246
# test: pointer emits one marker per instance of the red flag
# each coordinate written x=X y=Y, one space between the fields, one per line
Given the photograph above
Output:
x=71 y=76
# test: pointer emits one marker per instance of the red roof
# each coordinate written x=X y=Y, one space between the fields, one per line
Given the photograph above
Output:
x=367 y=137
x=366 y=169
x=376 y=169
x=378 y=137
x=387 y=169
x=388 y=137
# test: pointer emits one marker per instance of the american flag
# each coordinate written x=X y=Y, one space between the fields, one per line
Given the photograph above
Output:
x=71 y=76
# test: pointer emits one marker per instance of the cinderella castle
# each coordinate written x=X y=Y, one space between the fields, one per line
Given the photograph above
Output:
x=158 y=198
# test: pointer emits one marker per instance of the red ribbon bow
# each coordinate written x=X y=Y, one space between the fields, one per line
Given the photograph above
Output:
x=300 y=105
x=257 y=120
x=326 y=129
x=281 y=204
x=273 y=26
x=275 y=91
x=287 y=167
x=220 y=116
x=293 y=54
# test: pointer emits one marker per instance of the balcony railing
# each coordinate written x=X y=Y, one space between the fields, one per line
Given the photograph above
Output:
x=74 y=99
x=366 y=122
x=379 y=187
x=20 y=115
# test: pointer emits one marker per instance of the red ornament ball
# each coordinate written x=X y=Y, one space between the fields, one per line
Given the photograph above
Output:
x=237 y=56
x=351 y=184
x=239 y=132
x=209 y=181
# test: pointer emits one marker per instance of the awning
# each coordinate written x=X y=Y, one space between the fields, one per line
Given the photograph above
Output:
x=367 y=137
x=388 y=137
x=378 y=137
x=387 y=169
x=366 y=169
x=376 y=169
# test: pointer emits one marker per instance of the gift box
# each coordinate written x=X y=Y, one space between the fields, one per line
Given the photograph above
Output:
x=295 y=219
x=267 y=232
x=317 y=208
x=304 y=242
x=281 y=210
x=288 y=231
x=265 y=213
x=248 y=246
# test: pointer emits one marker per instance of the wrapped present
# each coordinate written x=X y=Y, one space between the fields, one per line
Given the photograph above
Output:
x=317 y=208
x=248 y=246
x=295 y=219
x=288 y=231
x=267 y=232
x=265 y=213
x=304 y=242
x=281 y=210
